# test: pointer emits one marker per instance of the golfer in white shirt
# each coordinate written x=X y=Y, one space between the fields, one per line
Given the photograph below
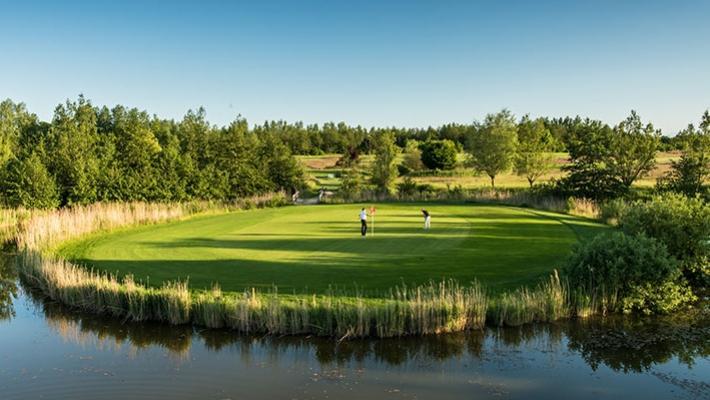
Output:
x=363 y=222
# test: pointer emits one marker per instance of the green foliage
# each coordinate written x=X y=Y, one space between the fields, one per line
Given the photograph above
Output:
x=632 y=151
x=407 y=188
x=611 y=211
x=620 y=270
x=73 y=152
x=533 y=158
x=352 y=184
x=691 y=173
x=682 y=224
x=100 y=154
x=439 y=154
x=28 y=184
x=605 y=162
x=492 y=147
x=284 y=171
x=412 y=157
x=384 y=168
x=14 y=120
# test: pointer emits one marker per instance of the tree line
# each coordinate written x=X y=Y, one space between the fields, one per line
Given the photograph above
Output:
x=604 y=161
x=87 y=154
x=340 y=138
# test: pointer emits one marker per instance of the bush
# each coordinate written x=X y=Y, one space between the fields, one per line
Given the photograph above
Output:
x=407 y=188
x=620 y=272
x=611 y=211
x=682 y=224
x=439 y=154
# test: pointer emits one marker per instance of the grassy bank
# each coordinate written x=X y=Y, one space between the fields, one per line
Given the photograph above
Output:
x=435 y=307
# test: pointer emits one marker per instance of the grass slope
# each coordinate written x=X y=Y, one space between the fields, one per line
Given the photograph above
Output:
x=306 y=249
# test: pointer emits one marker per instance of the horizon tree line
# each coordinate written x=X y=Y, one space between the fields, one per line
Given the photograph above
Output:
x=87 y=154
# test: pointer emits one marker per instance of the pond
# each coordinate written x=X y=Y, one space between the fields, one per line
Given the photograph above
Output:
x=47 y=351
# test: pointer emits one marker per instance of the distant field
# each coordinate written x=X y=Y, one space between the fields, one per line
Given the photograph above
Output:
x=309 y=248
x=323 y=173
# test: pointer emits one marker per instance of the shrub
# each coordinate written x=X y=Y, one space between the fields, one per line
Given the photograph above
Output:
x=439 y=154
x=682 y=224
x=407 y=188
x=611 y=211
x=620 y=272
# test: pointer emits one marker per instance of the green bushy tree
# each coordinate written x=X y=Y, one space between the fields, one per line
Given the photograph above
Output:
x=533 y=158
x=691 y=173
x=384 y=168
x=439 y=154
x=492 y=147
x=27 y=183
x=412 y=157
x=624 y=272
x=632 y=151
x=682 y=224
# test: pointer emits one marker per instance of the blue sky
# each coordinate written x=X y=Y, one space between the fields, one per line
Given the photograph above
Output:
x=404 y=63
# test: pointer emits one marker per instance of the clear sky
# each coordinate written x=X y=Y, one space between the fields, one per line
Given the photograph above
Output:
x=405 y=63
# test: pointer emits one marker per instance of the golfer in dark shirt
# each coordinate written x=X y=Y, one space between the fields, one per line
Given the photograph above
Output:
x=427 y=219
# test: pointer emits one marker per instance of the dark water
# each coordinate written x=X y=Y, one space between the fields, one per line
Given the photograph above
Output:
x=48 y=352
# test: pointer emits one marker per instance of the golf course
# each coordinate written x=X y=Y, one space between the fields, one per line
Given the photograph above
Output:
x=309 y=249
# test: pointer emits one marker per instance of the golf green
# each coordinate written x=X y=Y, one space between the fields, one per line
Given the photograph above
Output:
x=309 y=248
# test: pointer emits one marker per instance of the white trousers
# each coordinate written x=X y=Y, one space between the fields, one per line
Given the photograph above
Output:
x=427 y=222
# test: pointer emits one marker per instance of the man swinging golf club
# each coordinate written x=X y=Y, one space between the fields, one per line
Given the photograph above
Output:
x=427 y=219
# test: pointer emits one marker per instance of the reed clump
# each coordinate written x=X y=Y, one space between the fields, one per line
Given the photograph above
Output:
x=427 y=309
x=547 y=302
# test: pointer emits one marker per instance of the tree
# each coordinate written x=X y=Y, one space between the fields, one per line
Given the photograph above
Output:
x=28 y=184
x=72 y=151
x=283 y=170
x=439 y=154
x=492 y=147
x=689 y=174
x=240 y=155
x=352 y=183
x=14 y=119
x=533 y=158
x=588 y=143
x=412 y=157
x=632 y=151
x=384 y=168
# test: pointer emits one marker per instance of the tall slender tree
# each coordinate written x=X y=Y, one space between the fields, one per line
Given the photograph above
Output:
x=535 y=143
x=384 y=168
x=632 y=151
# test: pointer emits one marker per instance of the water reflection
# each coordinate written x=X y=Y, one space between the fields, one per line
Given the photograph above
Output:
x=623 y=344
x=8 y=287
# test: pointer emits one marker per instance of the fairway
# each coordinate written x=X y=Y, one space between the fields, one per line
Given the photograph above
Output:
x=309 y=248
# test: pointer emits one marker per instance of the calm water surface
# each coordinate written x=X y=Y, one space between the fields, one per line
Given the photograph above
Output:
x=48 y=352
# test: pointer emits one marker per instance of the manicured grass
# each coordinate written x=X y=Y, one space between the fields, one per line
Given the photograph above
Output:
x=308 y=248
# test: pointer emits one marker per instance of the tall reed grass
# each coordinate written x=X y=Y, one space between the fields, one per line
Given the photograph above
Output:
x=433 y=308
